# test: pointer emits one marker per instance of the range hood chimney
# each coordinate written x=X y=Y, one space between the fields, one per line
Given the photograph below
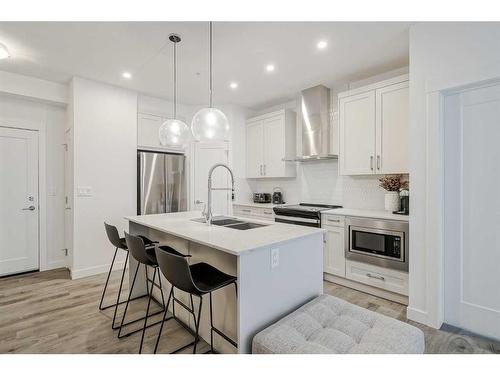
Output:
x=315 y=125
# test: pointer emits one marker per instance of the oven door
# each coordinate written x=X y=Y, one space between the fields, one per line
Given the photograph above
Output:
x=297 y=221
x=379 y=242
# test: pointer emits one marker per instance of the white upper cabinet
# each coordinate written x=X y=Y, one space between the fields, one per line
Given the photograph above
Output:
x=147 y=130
x=270 y=143
x=392 y=128
x=357 y=133
x=373 y=128
x=255 y=149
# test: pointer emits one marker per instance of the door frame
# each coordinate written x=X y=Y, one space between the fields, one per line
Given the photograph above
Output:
x=40 y=127
x=430 y=248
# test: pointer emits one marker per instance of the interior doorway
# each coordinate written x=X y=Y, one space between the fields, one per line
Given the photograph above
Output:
x=19 y=201
x=472 y=210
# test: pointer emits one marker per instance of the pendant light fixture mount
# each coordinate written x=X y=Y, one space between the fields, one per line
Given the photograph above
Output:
x=174 y=132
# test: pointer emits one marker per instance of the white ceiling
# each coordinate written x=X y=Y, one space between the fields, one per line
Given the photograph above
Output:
x=103 y=50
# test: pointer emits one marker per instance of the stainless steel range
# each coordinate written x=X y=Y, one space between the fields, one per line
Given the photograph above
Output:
x=306 y=214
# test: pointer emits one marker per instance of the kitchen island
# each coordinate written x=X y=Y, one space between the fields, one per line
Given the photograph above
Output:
x=279 y=268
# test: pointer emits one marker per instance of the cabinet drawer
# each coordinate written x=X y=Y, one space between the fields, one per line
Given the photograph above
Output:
x=391 y=280
x=256 y=212
x=333 y=220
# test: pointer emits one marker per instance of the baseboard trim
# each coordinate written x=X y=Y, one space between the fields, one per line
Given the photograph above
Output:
x=399 y=298
x=418 y=316
x=95 y=270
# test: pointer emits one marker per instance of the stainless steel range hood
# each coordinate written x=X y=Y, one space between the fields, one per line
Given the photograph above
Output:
x=315 y=124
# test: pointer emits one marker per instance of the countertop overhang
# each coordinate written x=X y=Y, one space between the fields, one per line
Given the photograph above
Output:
x=229 y=240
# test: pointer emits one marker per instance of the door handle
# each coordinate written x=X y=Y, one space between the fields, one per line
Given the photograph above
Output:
x=198 y=201
x=30 y=208
x=378 y=162
x=371 y=163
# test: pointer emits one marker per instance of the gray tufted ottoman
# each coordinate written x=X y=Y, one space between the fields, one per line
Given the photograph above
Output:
x=331 y=325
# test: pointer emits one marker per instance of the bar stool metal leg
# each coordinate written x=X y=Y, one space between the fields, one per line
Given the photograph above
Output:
x=147 y=312
x=163 y=319
x=128 y=300
x=107 y=280
x=119 y=293
x=197 y=323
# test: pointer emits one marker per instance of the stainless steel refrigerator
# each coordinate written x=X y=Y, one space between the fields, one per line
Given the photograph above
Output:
x=161 y=185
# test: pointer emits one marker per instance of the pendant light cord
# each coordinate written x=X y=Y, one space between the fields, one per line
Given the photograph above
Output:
x=210 y=64
x=175 y=81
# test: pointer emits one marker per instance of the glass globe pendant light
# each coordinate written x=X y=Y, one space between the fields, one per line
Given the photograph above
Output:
x=210 y=124
x=173 y=132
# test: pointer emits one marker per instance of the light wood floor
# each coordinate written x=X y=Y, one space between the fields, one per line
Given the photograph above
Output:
x=46 y=312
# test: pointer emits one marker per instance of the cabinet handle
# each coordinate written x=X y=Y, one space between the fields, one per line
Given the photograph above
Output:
x=261 y=169
x=382 y=278
x=334 y=220
x=246 y=210
x=371 y=163
x=268 y=213
x=378 y=162
x=264 y=169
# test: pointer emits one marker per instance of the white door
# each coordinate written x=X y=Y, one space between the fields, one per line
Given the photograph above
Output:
x=334 y=258
x=255 y=150
x=472 y=210
x=274 y=146
x=392 y=126
x=19 y=248
x=357 y=134
x=205 y=156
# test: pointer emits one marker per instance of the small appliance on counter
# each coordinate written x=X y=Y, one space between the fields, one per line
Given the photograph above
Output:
x=278 y=196
x=261 y=198
x=404 y=204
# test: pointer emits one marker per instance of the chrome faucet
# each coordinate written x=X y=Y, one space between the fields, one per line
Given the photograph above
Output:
x=207 y=212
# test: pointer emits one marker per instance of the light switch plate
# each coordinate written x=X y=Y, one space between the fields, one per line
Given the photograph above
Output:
x=84 y=191
x=275 y=257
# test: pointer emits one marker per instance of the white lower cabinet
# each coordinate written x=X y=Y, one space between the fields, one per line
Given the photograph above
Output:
x=363 y=276
x=260 y=213
x=333 y=256
x=383 y=278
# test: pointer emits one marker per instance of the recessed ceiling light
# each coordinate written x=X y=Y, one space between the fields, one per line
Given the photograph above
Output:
x=322 y=44
x=270 y=68
x=4 y=52
x=233 y=85
x=127 y=75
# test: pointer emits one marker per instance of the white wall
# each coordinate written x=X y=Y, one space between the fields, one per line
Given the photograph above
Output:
x=441 y=54
x=105 y=144
x=18 y=111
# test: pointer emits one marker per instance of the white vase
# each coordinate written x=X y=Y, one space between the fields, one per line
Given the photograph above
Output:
x=392 y=201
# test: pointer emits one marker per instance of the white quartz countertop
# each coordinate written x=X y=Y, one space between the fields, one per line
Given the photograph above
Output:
x=229 y=240
x=377 y=214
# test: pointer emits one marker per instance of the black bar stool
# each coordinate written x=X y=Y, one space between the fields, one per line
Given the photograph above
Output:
x=120 y=244
x=197 y=279
x=144 y=256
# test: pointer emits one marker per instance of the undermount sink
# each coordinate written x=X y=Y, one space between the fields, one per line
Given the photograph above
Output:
x=230 y=222
x=246 y=225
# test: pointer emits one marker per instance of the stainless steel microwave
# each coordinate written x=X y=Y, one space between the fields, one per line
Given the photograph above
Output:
x=380 y=242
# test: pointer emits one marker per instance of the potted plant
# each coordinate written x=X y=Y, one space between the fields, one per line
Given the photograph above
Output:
x=392 y=184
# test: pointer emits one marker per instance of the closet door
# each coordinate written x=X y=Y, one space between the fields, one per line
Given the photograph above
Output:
x=357 y=134
x=392 y=126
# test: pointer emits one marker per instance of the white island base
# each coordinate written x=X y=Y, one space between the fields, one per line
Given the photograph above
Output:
x=265 y=293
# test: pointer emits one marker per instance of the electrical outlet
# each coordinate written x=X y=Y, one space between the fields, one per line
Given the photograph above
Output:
x=275 y=257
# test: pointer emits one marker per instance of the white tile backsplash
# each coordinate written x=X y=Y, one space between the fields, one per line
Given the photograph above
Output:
x=319 y=182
